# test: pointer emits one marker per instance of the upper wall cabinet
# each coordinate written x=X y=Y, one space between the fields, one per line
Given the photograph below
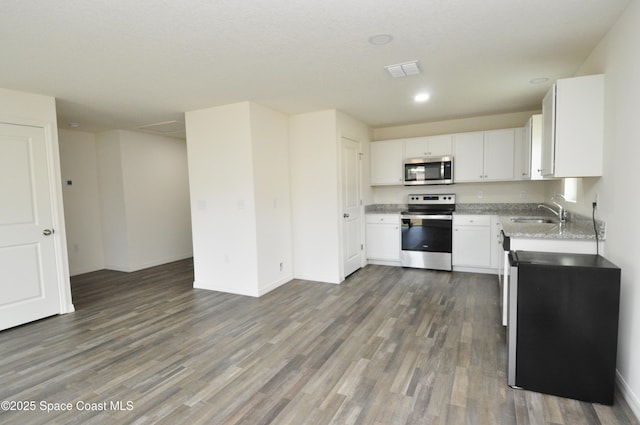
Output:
x=533 y=133
x=573 y=128
x=526 y=160
x=386 y=162
x=484 y=156
x=522 y=154
x=468 y=157
x=428 y=146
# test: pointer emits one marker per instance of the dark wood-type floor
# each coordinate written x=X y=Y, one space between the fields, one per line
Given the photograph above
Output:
x=388 y=346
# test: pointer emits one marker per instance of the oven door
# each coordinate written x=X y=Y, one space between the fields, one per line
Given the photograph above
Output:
x=426 y=241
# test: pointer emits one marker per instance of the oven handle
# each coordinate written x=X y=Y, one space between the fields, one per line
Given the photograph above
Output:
x=426 y=217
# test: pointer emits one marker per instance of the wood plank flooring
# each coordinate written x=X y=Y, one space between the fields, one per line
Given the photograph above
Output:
x=388 y=346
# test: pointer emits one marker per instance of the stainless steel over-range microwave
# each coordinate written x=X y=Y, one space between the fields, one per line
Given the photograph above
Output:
x=433 y=170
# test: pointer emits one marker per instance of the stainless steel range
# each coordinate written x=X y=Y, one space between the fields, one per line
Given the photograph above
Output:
x=427 y=231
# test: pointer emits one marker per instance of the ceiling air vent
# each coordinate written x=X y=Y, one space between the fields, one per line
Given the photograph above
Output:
x=403 y=69
x=167 y=128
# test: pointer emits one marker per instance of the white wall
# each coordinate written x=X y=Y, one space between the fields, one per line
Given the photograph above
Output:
x=156 y=190
x=617 y=57
x=78 y=163
x=112 y=202
x=239 y=194
x=144 y=199
x=468 y=193
x=314 y=196
x=38 y=110
x=462 y=125
x=270 y=146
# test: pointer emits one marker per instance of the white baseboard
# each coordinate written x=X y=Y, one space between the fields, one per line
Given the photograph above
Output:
x=83 y=270
x=274 y=285
x=385 y=263
x=482 y=270
x=317 y=278
x=629 y=396
x=146 y=265
x=222 y=288
x=233 y=290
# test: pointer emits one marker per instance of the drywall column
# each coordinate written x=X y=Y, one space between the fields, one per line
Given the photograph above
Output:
x=272 y=196
x=239 y=191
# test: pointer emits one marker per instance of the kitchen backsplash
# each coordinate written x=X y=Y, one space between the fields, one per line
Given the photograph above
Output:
x=498 y=192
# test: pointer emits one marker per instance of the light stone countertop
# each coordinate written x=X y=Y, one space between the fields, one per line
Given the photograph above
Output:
x=577 y=227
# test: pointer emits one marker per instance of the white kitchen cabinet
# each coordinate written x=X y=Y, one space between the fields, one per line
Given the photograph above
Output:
x=428 y=146
x=533 y=133
x=573 y=128
x=498 y=154
x=383 y=237
x=386 y=162
x=496 y=243
x=472 y=241
x=468 y=156
x=522 y=153
x=484 y=156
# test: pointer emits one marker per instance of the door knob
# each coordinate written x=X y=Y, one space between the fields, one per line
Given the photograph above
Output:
x=47 y=232
x=345 y=215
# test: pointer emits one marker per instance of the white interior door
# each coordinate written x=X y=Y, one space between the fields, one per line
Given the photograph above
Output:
x=351 y=241
x=29 y=287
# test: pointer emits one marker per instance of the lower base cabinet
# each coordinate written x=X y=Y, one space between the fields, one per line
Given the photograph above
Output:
x=383 y=237
x=472 y=241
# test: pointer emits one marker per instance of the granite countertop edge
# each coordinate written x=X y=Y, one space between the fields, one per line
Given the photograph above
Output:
x=577 y=227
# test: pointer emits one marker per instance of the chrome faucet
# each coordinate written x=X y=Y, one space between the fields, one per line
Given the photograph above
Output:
x=561 y=213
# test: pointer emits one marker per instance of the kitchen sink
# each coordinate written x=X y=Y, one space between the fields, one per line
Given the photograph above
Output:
x=533 y=220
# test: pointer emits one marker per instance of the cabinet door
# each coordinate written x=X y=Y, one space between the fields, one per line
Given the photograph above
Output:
x=579 y=126
x=420 y=147
x=522 y=153
x=468 y=158
x=498 y=154
x=386 y=162
x=547 y=151
x=536 y=146
x=472 y=246
x=383 y=241
x=416 y=147
x=440 y=145
x=496 y=246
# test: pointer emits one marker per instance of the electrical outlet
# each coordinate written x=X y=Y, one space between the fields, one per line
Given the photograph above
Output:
x=523 y=194
x=480 y=194
x=596 y=203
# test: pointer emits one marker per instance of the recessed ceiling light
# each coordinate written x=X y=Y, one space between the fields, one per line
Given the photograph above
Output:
x=539 y=80
x=421 y=97
x=380 y=39
x=74 y=125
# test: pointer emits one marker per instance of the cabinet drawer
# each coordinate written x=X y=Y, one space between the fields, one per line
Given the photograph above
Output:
x=472 y=220
x=383 y=218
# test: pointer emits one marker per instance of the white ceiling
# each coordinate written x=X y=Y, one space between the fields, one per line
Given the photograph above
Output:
x=126 y=64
